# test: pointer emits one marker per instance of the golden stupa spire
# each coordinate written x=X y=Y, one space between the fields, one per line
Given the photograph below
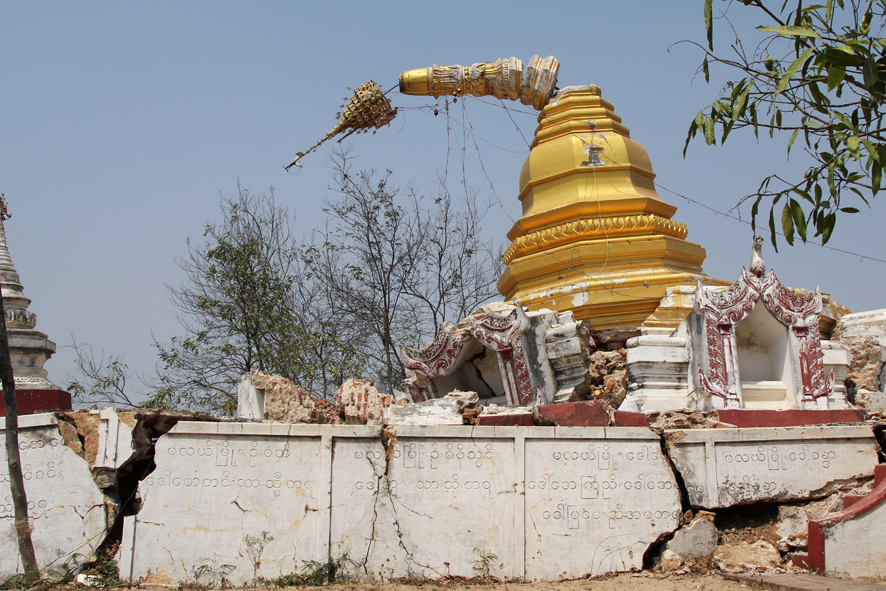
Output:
x=594 y=237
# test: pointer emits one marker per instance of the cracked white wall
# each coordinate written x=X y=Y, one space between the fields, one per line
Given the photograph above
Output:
x=68 y=512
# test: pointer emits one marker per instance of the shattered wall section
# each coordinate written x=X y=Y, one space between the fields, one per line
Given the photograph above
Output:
x=69 y=514
x=275 y=398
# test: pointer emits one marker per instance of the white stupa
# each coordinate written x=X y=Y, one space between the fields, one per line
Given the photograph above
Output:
x=28 y=348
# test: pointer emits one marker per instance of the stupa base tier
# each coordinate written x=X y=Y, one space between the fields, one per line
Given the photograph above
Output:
x=614 y=284
x=608 y=304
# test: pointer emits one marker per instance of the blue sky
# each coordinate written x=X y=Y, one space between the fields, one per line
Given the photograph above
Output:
x=120 y=124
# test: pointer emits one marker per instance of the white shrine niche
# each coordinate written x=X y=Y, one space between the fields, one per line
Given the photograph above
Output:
x=755 y=345
x=765 y=363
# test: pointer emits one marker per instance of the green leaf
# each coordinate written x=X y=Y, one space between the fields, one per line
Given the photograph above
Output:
x=876 y=177
x=828 y=228
x=709 y=131
x=836 y=75
x=792 y=69
x=754 y=210
x=804 y=195
x=787 y=224
x=709 y=22
x=739 y=105
x=848 y=210
x=799 y=219
x=852 y=146
x=788 y=31
x=704 y=68
x=772 y=228
x=791 y=142
x=871 y=150
x=829 y=11
x=870 y=72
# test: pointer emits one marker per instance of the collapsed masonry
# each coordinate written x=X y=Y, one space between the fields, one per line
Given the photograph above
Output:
x=190 y=494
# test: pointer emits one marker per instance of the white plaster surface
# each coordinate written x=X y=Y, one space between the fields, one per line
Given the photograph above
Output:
x=694 y=540
x=596 y=498
x=216 y=483
x=401 y=501
x=725 y=467
x=437 y=411
x=855 y=549
x=114 y=441
x=66 y=508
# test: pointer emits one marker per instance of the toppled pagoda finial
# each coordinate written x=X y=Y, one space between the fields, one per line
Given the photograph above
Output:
x=368 y=108
x=758 y=266
x=503 y=79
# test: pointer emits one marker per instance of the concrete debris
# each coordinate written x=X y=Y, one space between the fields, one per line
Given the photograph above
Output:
x=468 y=405
x=608 y=376
x=696 y=539
x=361 y=403
x=675 y=419
x=670 y=561
x=745 y=556
x=865 y=335
x=278 y=399
x=159 y=580
x=438 y=411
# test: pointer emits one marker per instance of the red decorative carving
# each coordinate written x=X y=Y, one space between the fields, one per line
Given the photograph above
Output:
x=436 y=359
x=501 y=333
x=722 y=311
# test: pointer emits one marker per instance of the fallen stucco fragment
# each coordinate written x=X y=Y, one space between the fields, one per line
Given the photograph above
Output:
x=695 y=539
x=437 y=411
x=745 y=556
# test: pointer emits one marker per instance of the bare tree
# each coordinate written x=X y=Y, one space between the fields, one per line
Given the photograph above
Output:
x=395 y=264
x=244 y=307
x=100 y=381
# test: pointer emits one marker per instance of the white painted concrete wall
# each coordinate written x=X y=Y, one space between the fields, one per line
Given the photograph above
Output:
x=547 y=502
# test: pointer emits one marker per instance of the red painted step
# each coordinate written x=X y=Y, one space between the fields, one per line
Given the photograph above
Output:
x=854 y=506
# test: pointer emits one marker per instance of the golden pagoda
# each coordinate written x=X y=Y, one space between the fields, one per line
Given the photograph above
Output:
x=595 y=237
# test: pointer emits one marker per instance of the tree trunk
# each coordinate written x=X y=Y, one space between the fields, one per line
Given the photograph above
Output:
x=16 y=481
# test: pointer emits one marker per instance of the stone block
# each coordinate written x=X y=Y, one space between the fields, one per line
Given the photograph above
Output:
x=697 y=539
x=399 y=515
x=438 y=411
x=572 y=414
x=68 y=512
x=788 y=418
x=726 y=467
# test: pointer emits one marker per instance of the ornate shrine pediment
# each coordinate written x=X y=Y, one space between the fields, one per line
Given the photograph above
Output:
x=499 y=328
x=798 y=312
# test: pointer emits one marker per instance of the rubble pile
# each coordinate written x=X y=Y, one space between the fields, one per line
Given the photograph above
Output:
x=608 y=376
x=289 y=402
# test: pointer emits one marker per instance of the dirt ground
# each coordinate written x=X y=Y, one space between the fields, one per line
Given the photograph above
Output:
x=621 y=582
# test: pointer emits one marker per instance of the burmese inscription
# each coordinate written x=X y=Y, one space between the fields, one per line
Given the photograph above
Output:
x=724 y=467
x=597 y=499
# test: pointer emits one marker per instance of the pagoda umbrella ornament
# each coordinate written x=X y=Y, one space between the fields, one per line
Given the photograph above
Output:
x=369 y=108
